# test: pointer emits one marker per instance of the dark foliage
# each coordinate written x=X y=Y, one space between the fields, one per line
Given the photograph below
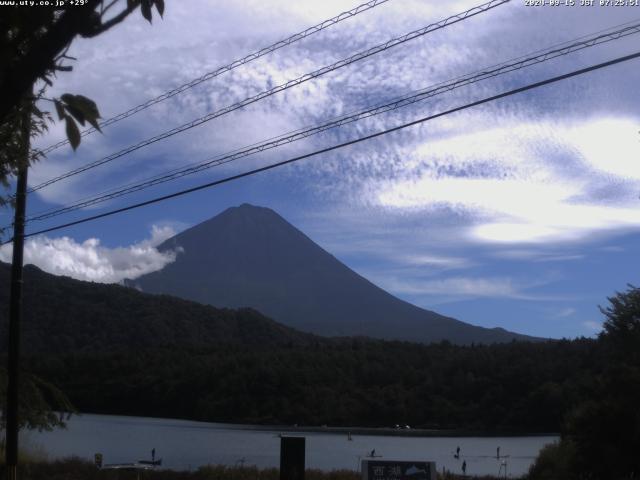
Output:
x=120 y=351
x=518 y=386
x=63 y=315
x=34 y=41
x=116 y=350
x=41 y=405
x=78 y=469
x=601 y=434
x=34 y=44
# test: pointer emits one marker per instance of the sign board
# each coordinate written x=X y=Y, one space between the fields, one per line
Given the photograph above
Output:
x=398 y=470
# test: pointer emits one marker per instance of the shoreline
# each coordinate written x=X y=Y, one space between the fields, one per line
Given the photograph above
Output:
x=353 y=430
x=389 y=431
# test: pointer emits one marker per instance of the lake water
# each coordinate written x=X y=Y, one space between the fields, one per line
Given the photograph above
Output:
x=186 y=445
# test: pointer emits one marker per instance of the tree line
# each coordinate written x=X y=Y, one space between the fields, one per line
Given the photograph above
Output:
x=524 y=387
x=117 y=351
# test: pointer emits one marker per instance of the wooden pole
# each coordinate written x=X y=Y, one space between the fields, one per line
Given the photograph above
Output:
x=15 y=306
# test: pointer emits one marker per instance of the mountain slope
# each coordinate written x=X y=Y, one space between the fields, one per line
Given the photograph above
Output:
x=63 y=315
x=251 y=257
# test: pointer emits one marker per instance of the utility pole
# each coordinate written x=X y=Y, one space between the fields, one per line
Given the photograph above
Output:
x=15 y=305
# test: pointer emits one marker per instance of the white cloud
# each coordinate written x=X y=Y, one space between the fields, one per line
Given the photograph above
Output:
x=437 y=261
x=519 y=171
x=565 y=312
x=609 y=144
x=92 y=262
x=510 y=180
x=126 y=65
x=592 y=326
x=129 y=64
x=537 y=255
x=463 y=288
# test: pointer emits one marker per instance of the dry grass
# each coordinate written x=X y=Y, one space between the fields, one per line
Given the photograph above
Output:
x=79 y=469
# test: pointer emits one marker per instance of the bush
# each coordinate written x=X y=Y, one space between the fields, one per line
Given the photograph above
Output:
x=554 y=462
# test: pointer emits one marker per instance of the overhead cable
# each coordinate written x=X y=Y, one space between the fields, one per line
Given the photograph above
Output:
x=227 y=68
x=291 y=83
x=531 y=86
x=421 y=95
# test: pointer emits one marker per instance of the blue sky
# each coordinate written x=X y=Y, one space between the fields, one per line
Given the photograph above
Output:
x=522 y=213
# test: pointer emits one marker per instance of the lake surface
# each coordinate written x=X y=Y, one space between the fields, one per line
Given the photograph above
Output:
x=186 y=445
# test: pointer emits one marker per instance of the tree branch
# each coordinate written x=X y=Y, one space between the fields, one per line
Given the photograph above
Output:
x=112 y=21
x=39 y=58
x=106 y=9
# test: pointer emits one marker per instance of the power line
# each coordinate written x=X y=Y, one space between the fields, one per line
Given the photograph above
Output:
x=291 y=83
x=227 y=68
x=342 y=145
x=421 y=95
x=589 y=40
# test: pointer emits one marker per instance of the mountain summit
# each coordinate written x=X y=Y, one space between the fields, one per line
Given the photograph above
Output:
x=250 y=256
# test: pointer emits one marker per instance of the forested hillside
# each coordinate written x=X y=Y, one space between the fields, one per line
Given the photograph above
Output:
x=113 y=349
x=65 y=315
x=517 y=386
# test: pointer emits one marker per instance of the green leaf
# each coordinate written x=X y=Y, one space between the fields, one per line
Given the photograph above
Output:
x=94 y=123
x=160 y=6
x=82 y=108
x=59 y=109
x=73 y=134
x=87 y=106
x=145 y=7
x=77 y=114
x=67 y=97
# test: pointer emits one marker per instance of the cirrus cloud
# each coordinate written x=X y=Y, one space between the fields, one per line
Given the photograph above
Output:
x=518 y=184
